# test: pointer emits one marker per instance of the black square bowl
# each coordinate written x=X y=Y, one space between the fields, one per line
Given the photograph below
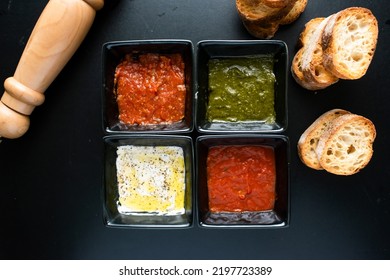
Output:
x=278 y=217
x=114 y=52
x=207 y=50
x=113 y=217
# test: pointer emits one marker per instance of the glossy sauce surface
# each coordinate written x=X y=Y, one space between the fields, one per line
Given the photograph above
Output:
x=241 y=178
x=150 y=89
x=241 y=89
x=151 y=179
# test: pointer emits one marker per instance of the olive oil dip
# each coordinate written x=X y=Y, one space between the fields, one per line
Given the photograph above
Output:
x=241 y=89
x=151 y=179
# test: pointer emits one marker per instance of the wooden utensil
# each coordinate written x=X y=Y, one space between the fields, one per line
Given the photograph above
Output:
x=56 y=36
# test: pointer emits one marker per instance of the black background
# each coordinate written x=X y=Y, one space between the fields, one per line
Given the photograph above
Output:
x=51 y=178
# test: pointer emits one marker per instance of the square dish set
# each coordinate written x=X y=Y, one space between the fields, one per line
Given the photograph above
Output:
x=195 y=134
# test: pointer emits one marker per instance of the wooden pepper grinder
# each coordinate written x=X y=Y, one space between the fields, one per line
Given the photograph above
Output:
x=56 y=36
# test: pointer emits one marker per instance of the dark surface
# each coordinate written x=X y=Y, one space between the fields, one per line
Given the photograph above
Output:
x=51 y=178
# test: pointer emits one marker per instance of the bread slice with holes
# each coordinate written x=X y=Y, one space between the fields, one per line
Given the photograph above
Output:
x=303 y=42
x=308 y=30
x=349 y=42
x=347 y=146
x=312 y=59
x=308 y=141
x=297 y=74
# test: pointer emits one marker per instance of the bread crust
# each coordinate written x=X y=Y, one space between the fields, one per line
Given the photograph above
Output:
x=262 y=18
x=312 y=59
x=340 y=47
x=308 y=30
x=307 y=143
x=349 y=42
x=294 y=13
x=307 y=68
x=297 y=74
x=347 y=146
x=260 y=31
x=275 y=3
x=255 y=12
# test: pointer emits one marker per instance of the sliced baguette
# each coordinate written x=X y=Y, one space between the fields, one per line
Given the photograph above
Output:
x=262 y=18
x=294 y=13
x=308 y=30
x=347 y=146
x=312 y=59
x=261 y=31
x=296 y=68
x=349 y=42
x=255 y=11
x=308 y=141
x=315 y=77
x=296 y=65
x=297 y=74
x=276 y=3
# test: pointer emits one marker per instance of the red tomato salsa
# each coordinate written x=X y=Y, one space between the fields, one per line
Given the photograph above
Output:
x=241 y=178
x=150 y=89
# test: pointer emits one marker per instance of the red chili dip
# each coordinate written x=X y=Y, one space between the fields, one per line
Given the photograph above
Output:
x=150 y=89
x=241 y=178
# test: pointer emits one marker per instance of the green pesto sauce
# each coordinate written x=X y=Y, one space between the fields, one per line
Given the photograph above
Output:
x=241 y=89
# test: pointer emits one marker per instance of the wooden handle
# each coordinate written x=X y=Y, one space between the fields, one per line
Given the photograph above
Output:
x=56 y=36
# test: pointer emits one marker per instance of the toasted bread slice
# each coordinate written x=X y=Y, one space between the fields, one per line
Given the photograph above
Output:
x=296 y=65
x=296 y=71
x=347 y=146
x=261 y=31
x=308 y=141
x=294 y=13
x=308 y=30
x=275 y=3
x=349 y=42
x=314 y=76
x=262 y=18
x=296 y=68
x=256 y=12
x=312 y=59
